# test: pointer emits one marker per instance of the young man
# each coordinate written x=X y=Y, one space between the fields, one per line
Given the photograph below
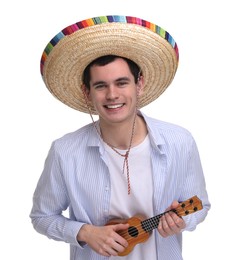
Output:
x=125 y=163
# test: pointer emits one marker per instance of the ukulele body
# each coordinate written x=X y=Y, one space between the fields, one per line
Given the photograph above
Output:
x=135 y=233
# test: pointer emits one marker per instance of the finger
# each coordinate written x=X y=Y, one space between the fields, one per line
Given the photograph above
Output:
x=179 y=222
x=112 y=251
x=119 y=227
x=175 y=223
x=175 y=204
x=118 y=248
x=162 y=227
x=115 y=242
x=121 y=232
x=102 y=251
x=109 y=248
x=168 y=224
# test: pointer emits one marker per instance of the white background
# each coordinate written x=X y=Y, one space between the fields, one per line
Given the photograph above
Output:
x=203 y=98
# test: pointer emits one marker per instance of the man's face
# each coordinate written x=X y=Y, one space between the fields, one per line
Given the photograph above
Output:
x=113 y=91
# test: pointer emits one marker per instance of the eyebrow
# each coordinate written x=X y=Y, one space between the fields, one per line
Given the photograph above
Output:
x=104 y=82
x=123 y=78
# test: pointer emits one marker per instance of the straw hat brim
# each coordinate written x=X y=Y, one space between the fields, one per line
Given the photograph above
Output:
x=67 y=55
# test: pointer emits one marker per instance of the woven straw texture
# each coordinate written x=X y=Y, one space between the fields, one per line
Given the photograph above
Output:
x=65 y=63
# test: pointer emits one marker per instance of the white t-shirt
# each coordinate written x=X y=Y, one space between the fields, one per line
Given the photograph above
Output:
x=140 y=200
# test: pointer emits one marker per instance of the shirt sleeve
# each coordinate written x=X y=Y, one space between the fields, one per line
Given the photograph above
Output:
x=195 y=185
x=50 y=201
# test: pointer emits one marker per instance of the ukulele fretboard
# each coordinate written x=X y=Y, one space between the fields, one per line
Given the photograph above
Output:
x=187 y=207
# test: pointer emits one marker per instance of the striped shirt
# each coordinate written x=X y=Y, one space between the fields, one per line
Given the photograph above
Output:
x=76 y=178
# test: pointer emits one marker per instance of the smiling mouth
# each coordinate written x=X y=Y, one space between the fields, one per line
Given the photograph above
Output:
x=114 y=106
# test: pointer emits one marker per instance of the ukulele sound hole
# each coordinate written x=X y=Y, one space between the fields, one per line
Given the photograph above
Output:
x=133 y=231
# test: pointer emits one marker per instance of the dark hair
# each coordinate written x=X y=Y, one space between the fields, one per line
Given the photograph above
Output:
x=104 y=60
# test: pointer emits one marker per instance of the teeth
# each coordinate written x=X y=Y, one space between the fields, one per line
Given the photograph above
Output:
x=114 y=106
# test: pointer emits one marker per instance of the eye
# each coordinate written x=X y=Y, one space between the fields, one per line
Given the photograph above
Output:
x=100 y=86
x=122 y=83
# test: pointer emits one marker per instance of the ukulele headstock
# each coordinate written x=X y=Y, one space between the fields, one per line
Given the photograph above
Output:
x=189 y=206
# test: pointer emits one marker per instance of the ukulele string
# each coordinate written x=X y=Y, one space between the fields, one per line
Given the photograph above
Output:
x=184 y=208
x=149 y=223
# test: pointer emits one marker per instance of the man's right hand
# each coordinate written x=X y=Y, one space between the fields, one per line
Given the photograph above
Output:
x=104 y=240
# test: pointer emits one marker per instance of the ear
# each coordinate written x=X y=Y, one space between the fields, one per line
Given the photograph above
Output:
x=140 y=85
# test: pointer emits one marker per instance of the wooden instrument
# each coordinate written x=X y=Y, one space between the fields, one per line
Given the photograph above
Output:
x=139 y=230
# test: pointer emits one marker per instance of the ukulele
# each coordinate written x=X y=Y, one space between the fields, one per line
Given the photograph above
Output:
x=139 y=230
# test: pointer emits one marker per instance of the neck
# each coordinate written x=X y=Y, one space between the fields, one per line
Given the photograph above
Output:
x=119 y=135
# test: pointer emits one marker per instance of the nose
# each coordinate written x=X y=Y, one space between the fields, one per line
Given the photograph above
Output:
x=112 y=93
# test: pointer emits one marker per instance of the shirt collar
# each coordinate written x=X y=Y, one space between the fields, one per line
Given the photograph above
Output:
x=154 y=132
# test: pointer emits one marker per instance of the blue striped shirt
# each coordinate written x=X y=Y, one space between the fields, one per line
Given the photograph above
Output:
x=76 y=178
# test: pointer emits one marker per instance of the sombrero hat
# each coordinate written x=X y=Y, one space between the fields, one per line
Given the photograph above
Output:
x=71 y=50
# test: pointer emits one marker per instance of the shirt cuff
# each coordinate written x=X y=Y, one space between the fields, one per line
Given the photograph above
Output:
x=72 y=231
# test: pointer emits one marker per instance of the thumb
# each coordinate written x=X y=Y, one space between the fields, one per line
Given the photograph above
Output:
x=121 y=226
x=174 y=205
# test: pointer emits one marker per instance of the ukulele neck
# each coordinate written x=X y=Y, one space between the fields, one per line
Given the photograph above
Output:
x=187 y=207
x=151 y=223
